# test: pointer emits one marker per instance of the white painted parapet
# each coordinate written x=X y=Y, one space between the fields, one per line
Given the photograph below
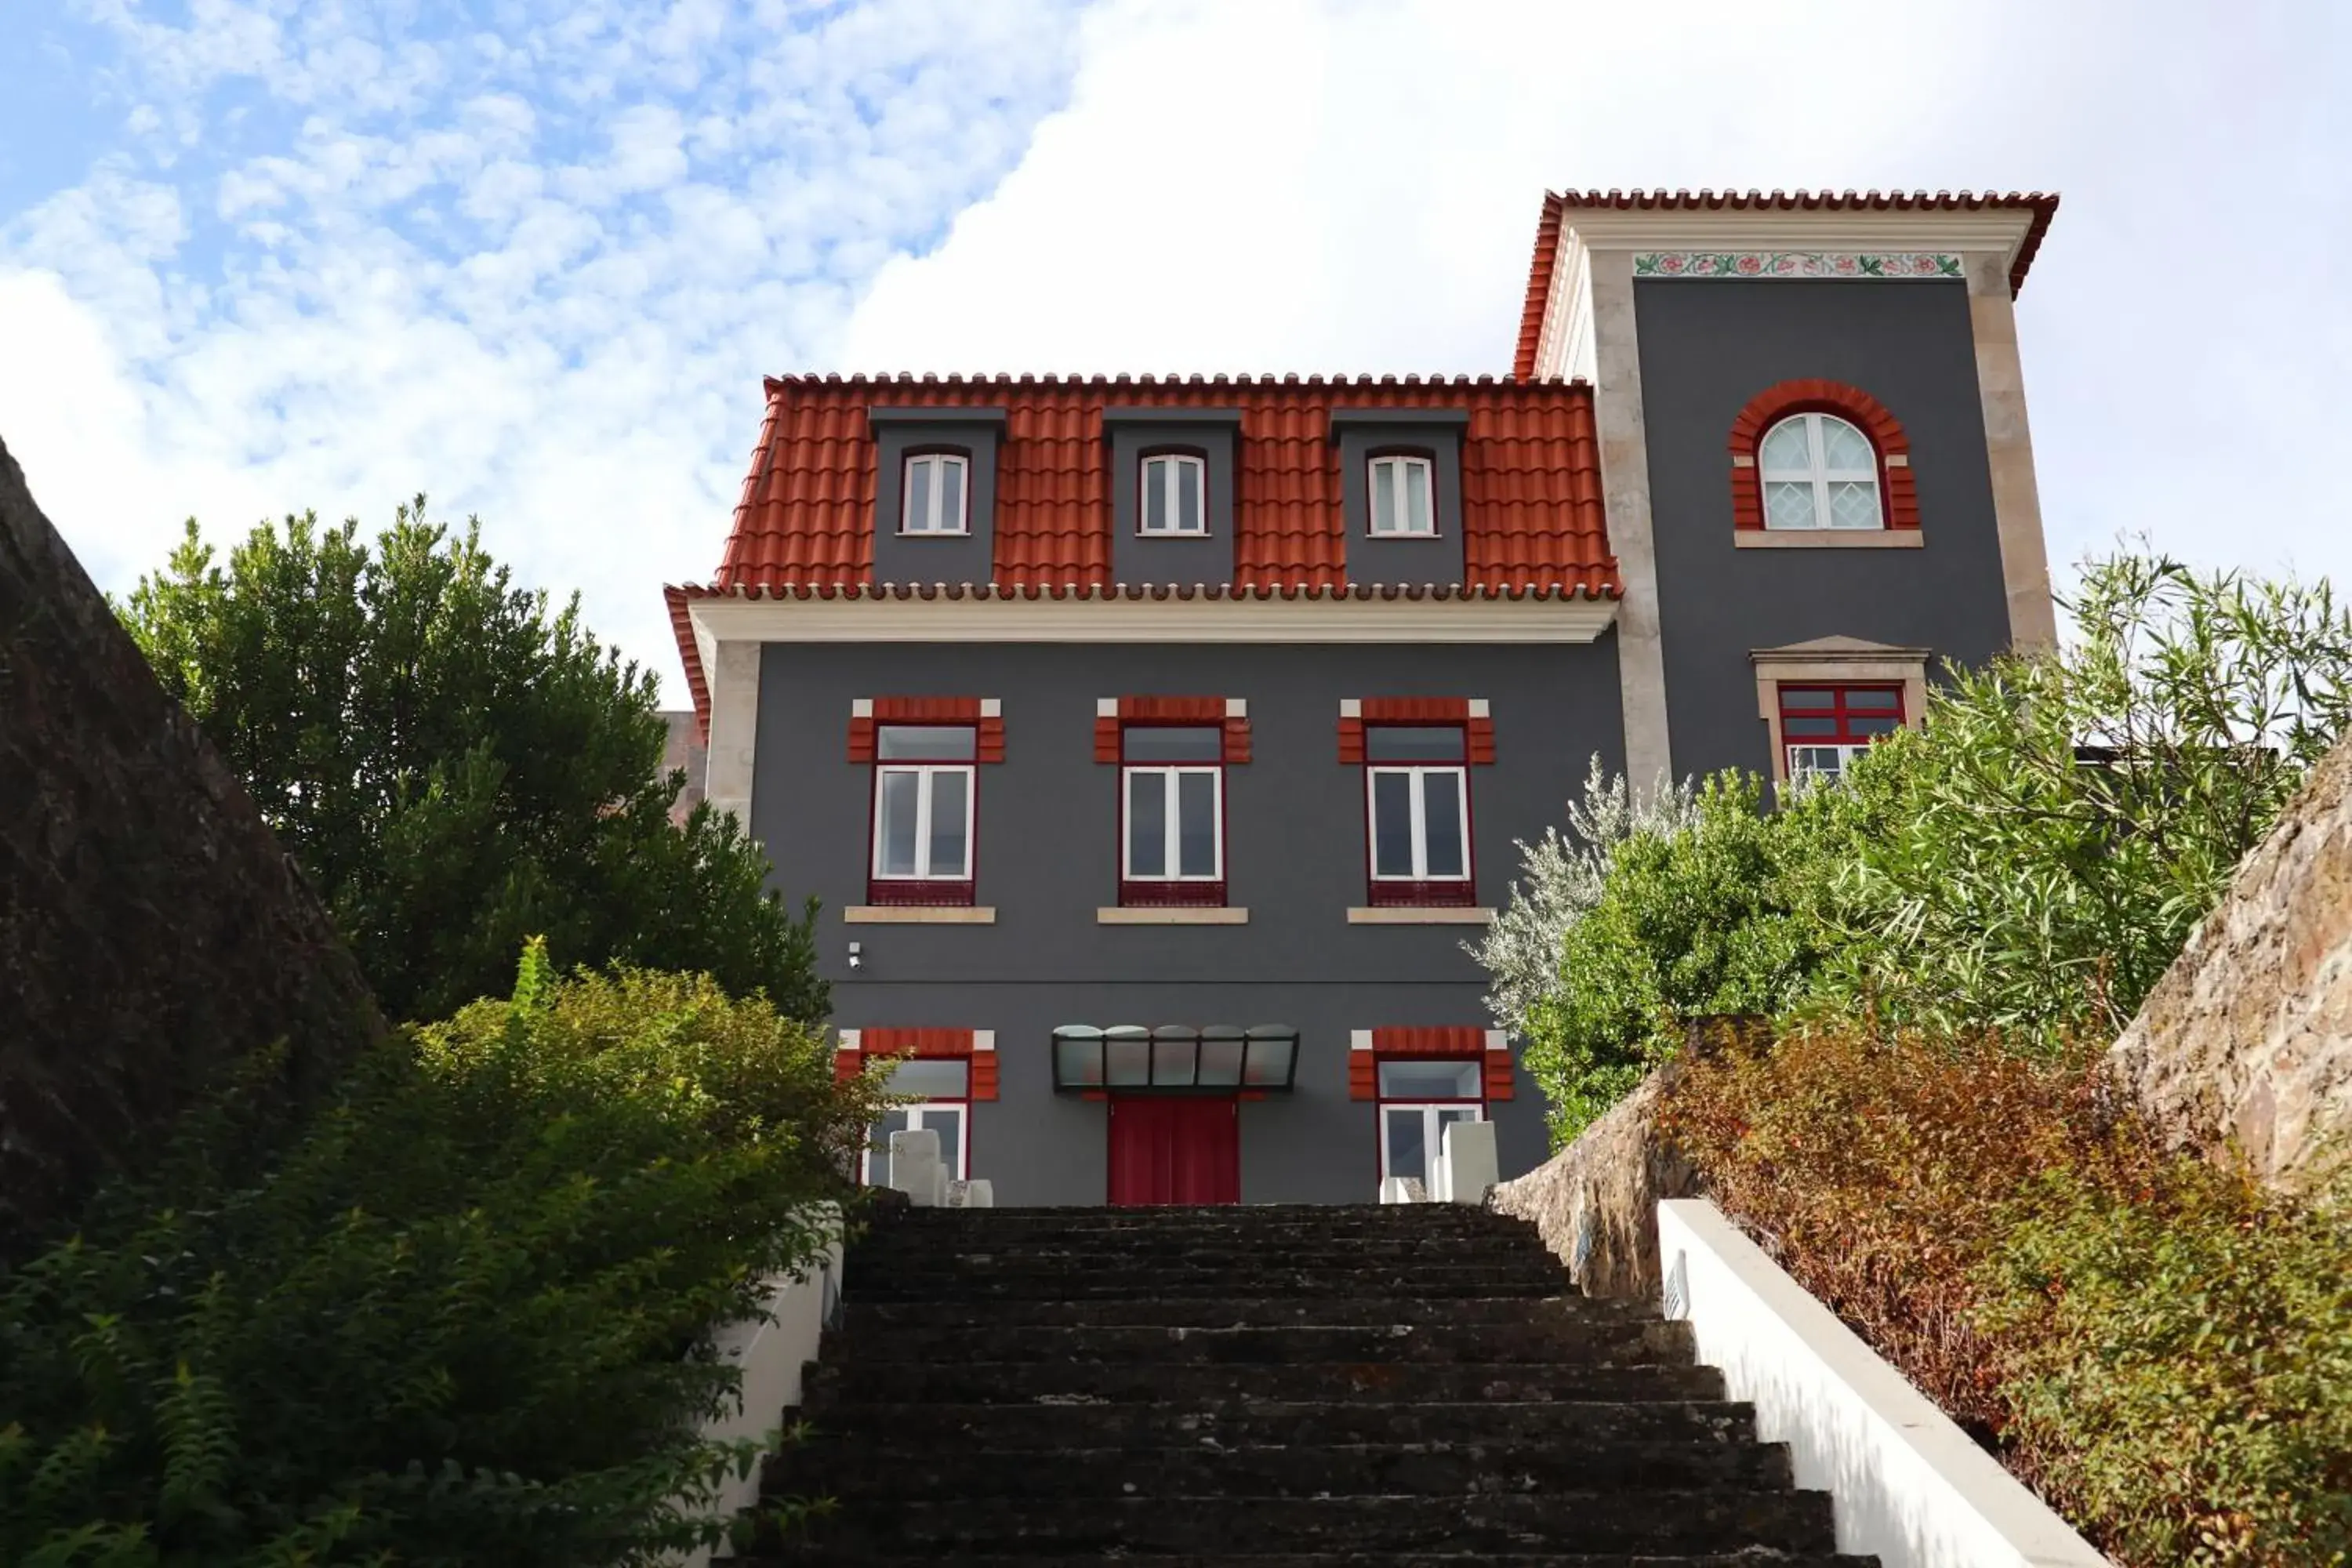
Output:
x=1907 y=1484
x=916 y=1170
x=769 y=1352
x=1465 y=1169
x=1403 y=1190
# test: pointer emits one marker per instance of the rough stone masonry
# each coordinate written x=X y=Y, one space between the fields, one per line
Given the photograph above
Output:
x=152 y=930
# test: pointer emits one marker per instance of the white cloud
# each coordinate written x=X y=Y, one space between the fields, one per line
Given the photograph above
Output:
x=538 y=271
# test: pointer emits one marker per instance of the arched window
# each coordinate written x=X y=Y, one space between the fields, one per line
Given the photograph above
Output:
x=1819 y=471
x=1174 y=487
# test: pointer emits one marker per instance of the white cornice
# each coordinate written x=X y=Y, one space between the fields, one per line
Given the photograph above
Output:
x=2000 y=229
x=727 y=620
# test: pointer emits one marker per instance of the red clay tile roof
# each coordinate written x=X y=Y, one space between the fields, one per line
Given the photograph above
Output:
x=2044 y=206
x=1531 y=487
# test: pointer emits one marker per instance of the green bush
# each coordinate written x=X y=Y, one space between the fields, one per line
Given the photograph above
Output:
x=459 y=1320
x=1698 y=916
x=2163 y=1350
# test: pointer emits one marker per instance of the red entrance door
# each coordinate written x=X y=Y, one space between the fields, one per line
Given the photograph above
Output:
x=1177 y=1150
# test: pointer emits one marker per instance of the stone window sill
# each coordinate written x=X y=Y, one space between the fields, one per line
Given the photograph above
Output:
x=920 y=915
x=1828 y=538
x=1421 y=915
x=1172 y=915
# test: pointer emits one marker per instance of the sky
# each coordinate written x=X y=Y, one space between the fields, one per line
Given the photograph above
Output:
x=531 y=257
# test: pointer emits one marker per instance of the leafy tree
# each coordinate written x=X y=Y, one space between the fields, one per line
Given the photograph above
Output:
x=456 y=769
x=2037 y=855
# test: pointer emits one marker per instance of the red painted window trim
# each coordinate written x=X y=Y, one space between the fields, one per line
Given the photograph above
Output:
x=1177 y=710
x=1478 y=730
x=988 y=729
x=848 y=1061
x=1172 y=712
x=1477 y=748
x=1421 y=1044
x=1898 y=491
x=1838 y=690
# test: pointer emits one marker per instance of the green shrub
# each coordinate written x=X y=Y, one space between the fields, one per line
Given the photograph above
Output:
x=1696 y=918
x=2163 y=1350
x=460 y=1320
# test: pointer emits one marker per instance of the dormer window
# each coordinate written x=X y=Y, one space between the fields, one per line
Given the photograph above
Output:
x=935 y=496
x=1819 y=472
x=1402 y=507
x=1175 y=484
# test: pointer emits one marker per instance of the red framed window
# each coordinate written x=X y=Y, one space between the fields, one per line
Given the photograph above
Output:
x=1823 y=728
x=1421 y=1082
x=942 y=1071
x=1171 y=815
x=1417 y=813
x=925 y=816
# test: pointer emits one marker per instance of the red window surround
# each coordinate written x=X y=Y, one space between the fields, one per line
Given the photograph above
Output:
x=1363 y=1066
x=1898 y=489
x=973 y=1045
x=981 y=712
x=1479 y=728
x=1172 y=710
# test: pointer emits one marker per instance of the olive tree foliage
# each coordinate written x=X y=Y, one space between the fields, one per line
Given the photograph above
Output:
x=2034 y=858
x=457 y=768
x=1560 y=880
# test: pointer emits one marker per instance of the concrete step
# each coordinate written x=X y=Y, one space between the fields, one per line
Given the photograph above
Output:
x=1220 y=1313
x=1608 y=1341
x=1268 y=1279
x=833 y=1390
x=862 y=1475
x=1200 y=1252
x=1397 y=1216
x=1031 y=1427
x=1718 y=1519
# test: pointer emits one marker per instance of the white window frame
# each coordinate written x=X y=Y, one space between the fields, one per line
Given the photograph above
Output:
x=1419 y=808
x=926 y=773
x=1406 y=466
x=1810 y=771
x=1172 y=820
x=1820 y=475
x=1432 y=1128
x=1175 y=462
x=939 y=463
x=953 y=1159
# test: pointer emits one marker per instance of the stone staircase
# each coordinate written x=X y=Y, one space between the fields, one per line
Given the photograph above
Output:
x=1267 y=1388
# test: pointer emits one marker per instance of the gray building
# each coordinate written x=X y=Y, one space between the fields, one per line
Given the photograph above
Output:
x=1155 y=746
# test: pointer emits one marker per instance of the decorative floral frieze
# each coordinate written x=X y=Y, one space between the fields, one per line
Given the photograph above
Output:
x=1794 y=264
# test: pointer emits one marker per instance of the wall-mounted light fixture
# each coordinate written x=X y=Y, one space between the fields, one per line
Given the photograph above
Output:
x=856 y=955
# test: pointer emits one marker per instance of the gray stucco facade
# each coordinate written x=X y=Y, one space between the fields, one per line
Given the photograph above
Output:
x=1707 y=348
x=1046 y=860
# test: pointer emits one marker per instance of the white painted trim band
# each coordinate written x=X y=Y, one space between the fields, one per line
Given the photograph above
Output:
x=1906 y=1483
x=973 y=620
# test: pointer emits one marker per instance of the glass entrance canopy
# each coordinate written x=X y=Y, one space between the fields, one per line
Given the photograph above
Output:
x=1175 y=1059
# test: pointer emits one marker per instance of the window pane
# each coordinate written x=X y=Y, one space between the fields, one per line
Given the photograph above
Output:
x=1147 y=824
x=950 y=794
x=1128 y=1059
x=1269 y=1060
x=1793 y=696
x=1155 y=495
x=1154 y=744
x=1786 y=449
x=1406 y=1156
x=1867 y=701
x=1853 y=503
x=1407 y=743
x=1441 y=806
x=1416 y=497
x=1794 y=725
x=1448 y=1116
x=951 y=495
x=924 y=743
x=1846 y=449
x=1430 y=1080
x=1188 y=496
x=918 y=496
x=1873 y=725
x=895 y=832
x=933 y=1077
x=1391 y=824
x=947 y=1121
x=1173 y=1062
x=1077 y=1061
x=1384 y=498
x=1196 y=824
x=1788 y=505
x=1221 y=1061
